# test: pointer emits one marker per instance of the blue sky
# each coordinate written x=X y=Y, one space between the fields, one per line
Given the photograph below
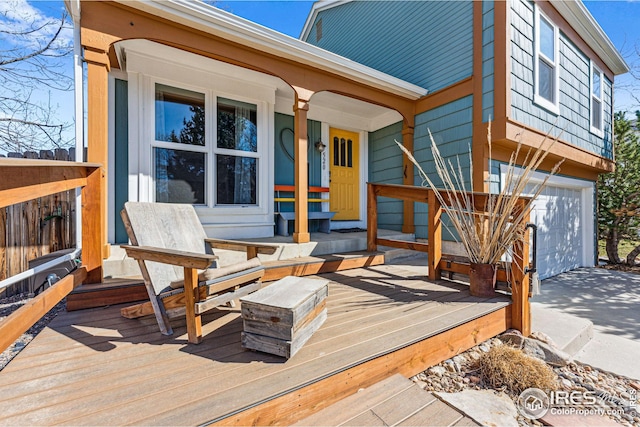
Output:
x=619 y=19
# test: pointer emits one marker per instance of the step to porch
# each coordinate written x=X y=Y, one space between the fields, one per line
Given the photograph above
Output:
x=393 y=401
x=126 y=290
x=119 y=265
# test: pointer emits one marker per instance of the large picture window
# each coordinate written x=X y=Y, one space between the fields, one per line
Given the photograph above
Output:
x=192 y=165
x=546 y=63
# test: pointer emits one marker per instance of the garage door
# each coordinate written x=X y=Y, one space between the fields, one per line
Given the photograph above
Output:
x=564 y=214
x=558 y=213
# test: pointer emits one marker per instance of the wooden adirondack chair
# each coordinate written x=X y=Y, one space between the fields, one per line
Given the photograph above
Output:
x=174 y=255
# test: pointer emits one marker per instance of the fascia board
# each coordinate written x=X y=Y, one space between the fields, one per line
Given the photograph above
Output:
x=577 y=15
x=318 y=7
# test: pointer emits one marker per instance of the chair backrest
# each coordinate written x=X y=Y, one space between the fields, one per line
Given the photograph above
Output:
x=164 y=225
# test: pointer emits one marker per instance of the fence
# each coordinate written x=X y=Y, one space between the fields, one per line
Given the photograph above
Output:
x=35 y=228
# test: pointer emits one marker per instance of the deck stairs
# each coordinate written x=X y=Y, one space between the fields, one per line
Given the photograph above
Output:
x=395 y=401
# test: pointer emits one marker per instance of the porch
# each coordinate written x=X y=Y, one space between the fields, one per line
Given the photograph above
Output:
x=93 y=367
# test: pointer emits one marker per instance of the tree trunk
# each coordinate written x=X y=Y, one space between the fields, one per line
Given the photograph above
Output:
x=631 y=258
x=612 y=244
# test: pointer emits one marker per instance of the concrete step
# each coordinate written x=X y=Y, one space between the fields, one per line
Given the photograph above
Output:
x=119 y=265
x=570 y=333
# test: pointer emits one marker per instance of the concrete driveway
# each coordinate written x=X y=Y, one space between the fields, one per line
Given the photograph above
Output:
x=608 y=299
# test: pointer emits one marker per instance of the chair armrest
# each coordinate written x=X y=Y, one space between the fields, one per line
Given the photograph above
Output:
x=170 y=256
x=238 y=245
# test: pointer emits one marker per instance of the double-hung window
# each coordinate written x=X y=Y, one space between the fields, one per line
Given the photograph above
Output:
x=596 y=100
x=204 y=153
x=546 y=69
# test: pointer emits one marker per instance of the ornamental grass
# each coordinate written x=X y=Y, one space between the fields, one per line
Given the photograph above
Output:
x=490 y=234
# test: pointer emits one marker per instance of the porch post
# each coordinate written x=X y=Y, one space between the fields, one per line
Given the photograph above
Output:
x=408 y=221
x=97 y=129
x=301 y=230
x=520 y=305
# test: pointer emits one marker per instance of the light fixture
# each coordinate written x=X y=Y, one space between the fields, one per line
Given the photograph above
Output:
x=320 y=146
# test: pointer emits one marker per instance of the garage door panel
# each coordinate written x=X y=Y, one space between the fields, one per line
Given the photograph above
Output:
x=558 y=213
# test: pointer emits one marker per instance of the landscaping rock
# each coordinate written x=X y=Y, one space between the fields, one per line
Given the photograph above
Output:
x=533 y=347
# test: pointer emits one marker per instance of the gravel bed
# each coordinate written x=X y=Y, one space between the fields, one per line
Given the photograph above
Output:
x=461 y=373
x=9 y=305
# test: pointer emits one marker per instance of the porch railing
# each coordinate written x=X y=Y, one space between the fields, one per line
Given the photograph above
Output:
x=24 y=180
x=436 y=260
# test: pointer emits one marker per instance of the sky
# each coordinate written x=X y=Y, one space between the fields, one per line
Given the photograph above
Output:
x=619 y=19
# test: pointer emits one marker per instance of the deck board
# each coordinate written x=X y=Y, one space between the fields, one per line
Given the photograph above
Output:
x=94 y=367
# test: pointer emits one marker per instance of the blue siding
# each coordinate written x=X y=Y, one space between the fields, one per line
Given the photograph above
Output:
x=427 y=43
x=385 y=166
x=574 y=87
x=487 y=59
x=452 y=128
x=121 y=166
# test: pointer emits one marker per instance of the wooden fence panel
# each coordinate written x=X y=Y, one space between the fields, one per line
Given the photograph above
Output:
x=35 y=228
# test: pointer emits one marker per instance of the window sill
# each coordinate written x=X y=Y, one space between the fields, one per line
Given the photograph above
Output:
x=549 y=106
x=597 y=132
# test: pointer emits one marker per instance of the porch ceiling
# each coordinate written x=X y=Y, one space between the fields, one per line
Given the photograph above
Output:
x=329 y=107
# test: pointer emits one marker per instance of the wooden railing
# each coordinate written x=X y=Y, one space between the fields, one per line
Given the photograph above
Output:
x=436 y=260
x=23 y=180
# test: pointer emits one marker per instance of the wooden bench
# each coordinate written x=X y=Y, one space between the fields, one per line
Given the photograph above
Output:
x=280 y=318
x=283 y=218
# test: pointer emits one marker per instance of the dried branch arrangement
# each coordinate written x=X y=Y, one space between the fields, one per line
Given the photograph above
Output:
x=487 y=235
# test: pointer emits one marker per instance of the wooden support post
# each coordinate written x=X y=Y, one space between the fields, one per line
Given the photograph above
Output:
x=408 y=222
x=192 y=296
x=521 y=308
x=434 y=226
x=97 y=128
x=372 y=218
x=92 y=223
x=301 y=230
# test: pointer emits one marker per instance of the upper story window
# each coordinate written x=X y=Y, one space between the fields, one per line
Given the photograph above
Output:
x=596 y=100
x=188 y=166
x=546 y=63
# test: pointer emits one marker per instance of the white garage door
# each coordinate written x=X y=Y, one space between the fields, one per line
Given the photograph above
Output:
x=558 y=214
x=564 y=215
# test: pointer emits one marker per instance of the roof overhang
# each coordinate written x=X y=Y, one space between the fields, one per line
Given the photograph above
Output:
x=574 y=11
x=577 y=15
x=209 y=19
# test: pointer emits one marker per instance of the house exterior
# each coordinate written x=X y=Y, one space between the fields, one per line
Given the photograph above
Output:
x=188 y=103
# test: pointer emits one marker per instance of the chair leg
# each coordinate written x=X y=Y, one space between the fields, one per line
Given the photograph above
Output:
x=159 y=311
x=194 y=321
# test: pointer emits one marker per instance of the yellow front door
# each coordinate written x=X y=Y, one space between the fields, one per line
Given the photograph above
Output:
x=345 y=174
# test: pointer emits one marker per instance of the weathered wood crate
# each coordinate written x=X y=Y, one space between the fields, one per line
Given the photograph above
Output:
x=280 y=318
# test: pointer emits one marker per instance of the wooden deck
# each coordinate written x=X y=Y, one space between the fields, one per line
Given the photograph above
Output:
x=93 y=367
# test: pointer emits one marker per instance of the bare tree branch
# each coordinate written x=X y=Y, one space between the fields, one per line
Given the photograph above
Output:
x=32 y=70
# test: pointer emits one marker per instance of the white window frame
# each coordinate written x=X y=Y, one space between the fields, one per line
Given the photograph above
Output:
x=553 y=107
x=210 y=148
x=593 y=69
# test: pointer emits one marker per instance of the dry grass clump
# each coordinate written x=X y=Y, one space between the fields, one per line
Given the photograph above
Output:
x=505 y=366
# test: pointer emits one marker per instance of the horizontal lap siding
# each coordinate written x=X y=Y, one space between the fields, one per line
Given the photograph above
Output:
x=487 y=59
x=410 y=40
x=385 y=166
x=451 y=126
x=573 y=121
